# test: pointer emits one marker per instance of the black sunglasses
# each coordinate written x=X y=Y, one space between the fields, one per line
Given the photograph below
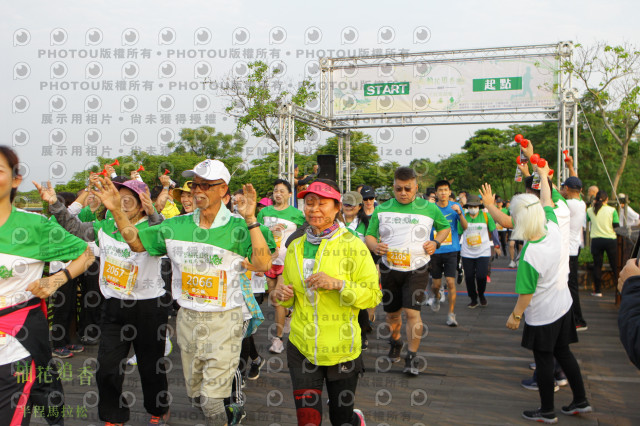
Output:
x=368 y=199
x=203 y=185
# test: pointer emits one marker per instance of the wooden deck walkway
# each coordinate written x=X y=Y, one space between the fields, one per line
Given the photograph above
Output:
x=472 y=375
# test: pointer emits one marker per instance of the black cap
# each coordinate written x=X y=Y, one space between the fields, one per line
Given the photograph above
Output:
x=473 y=200
x=367 y=192
x=573 y=182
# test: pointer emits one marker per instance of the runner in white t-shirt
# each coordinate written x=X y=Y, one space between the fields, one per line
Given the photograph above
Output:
x=545 y=301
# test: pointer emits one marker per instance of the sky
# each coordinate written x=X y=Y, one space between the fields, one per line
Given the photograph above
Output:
x=63 y=100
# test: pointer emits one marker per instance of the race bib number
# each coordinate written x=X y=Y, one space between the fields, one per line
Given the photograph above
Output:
x=474 y=239
x=119 y=275
x=399 y=259
x=209 y=288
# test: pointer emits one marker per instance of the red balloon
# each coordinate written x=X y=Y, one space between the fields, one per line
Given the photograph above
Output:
x=519 y=160
x=542 y=162
x=518 y=138
x=550 y=172
x=524 y=143
x=534 y=159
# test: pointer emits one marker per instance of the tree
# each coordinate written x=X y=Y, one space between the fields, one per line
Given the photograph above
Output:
x=488 y=157
x=256 y=101
x=611 y=75
x=204 y=141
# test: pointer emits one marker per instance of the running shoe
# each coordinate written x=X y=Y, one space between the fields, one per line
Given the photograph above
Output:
x=532 y=366
x=483 y=301
x=168 y=347
x=254 y=369
x=561 y=379
x=451 y=320
x=460 y=276
x=573 y=408
x=365 y=345
x=512 y=264
x=235 y=414
x=360 y=416
x=62 y=353
x=277 y=346
x=395 y=350
x=89 y=341
x=435 y=304
x=133 y=360
x=538 y=416
x=442 y=296
x=596 y=294
x=488 y=279
x=472 y=305
x=410 y=367
x=75 y=348
x=532 y=384
x=582 y=327
x=160 y=420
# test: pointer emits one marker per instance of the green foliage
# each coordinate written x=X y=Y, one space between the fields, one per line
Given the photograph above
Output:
x=256 y=102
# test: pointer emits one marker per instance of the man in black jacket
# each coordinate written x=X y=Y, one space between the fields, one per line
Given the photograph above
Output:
x=629 y=313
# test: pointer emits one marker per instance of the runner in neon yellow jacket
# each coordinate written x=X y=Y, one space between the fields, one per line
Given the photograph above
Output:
x=335 y=315
x=329 y=276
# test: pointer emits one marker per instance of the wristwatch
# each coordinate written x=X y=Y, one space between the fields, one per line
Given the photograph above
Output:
x=516 y=317
x=437 y=244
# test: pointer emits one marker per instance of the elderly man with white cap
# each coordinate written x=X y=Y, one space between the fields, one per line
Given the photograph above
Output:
x=207 y=247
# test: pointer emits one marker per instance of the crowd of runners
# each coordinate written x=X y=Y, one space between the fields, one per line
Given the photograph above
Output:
x=323 y=263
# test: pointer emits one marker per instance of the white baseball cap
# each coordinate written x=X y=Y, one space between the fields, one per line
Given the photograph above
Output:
x=209 y=170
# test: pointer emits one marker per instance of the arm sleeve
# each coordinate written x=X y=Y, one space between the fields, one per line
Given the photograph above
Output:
x=491 y=224
x=71 y=223
x=496 y=238
x=550 y=214
x=526 y=278
x=153 y=240
x=374 y=224
x=629 y=319
x=59 y=244
x=363 y=290
x=155 y=219
x=75 y=208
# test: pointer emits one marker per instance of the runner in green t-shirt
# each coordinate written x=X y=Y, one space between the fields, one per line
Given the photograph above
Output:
x=27 y=241
x=282 y=219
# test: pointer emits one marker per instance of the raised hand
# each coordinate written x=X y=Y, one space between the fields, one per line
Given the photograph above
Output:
x=147 y=204
x=106 y=191
x=488 y=197
x=247 y=204
x=48 y=194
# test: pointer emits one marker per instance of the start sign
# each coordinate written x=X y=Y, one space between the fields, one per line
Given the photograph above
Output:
x=382 y=89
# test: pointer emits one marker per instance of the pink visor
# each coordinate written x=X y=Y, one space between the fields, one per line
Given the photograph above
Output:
x=266 y=201
x=322 y=190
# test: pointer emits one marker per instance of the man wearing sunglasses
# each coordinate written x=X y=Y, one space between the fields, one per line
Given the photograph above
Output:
x=207 y=249
x=400 y=231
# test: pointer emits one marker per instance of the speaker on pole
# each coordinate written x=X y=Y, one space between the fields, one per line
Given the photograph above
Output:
x=327 y=166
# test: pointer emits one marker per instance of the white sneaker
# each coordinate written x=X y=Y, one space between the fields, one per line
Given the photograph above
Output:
x=442 y=296
x=277 y=346
x=435 y=305
x=133 y=360
x=512 y=264
x=429 y=300
x=451 y=320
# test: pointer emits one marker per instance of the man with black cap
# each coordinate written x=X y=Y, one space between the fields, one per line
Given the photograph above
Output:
x=570 y=190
